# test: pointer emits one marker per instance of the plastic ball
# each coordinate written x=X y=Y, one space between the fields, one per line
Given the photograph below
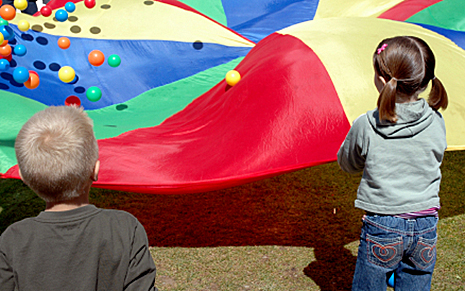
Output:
x=3 y=22
x=70 y=7
x=2 y=40
x=390 y=282
x=20 y=4
x=8 y=58
x=46 y=11
x=7 y=12
x=20 y=75
x=96 y=58
x=7 y=32
x=5 y=42
x=5 y=50
x=4 y=65
x=63 y=42
x=23 y=25
x=89 y=3
x=114 y=61
x=61 y=15
x=73 y=101
x=94 y=94
x=66 y=74
x=33 y=81
x=20 y=50
x=232 y=77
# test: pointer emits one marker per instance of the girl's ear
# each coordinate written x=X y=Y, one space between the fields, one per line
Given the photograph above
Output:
x=20 y=175
x=380 y=82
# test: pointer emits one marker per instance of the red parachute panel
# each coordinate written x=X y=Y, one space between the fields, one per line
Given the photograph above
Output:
x=283 y=115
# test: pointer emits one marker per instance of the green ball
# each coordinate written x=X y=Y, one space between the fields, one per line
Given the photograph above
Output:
x=94 y=94
x=3 y=22
x=114 y=61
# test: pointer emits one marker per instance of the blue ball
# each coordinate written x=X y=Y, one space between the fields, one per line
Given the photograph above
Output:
x=4 y=65
x=70 y=7
x=61 y=15
x=20 y=50
x=21 y=75
x=390 y=282
x=7 y=32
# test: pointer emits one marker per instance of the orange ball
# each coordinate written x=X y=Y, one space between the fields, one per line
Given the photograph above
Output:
x=4 y=43
x=63 y=42
x=7 y=12
x=33 y=81
x=5 y=50
x=96 y=58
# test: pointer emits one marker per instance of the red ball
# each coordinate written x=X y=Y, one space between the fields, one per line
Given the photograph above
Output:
x=46 y=11
x=8 y=58
x=73 y=101
x=89 y=3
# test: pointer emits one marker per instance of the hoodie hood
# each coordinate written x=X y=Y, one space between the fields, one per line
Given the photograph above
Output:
x=413 y=118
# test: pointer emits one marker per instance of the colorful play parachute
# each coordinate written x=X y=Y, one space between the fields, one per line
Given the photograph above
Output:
x=166 y=119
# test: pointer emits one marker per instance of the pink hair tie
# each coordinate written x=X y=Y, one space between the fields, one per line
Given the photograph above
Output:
x=382 y=48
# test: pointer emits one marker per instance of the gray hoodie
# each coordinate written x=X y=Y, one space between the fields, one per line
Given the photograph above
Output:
x=400 y=161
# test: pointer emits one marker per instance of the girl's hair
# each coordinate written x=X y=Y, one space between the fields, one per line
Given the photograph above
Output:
x=407 y=65
x=56 y=151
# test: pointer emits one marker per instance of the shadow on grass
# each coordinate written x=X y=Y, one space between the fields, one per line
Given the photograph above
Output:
x=310 y=208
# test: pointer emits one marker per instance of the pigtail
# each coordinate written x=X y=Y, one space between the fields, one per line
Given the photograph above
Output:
x=438 y=95
x=387 y=101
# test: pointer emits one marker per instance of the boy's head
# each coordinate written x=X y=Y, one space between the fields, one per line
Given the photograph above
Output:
x=57 y=151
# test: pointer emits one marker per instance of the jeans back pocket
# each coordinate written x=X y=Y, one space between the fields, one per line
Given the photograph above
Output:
x=384 y=252
x=424 y=254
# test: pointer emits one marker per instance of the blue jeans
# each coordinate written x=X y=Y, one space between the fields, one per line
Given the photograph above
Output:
x=390 y=244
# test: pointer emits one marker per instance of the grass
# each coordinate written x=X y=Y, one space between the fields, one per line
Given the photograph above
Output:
x=297 y=231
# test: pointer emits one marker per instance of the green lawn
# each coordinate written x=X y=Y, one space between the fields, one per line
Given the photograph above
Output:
x=296 y=231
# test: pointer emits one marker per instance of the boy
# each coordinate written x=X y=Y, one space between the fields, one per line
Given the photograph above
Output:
x=72 y=245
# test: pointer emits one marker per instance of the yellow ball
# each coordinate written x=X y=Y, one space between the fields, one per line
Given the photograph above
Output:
x=21 y=4
x=66 y=74
x=23 y=25
x=2 y=38
x=232 y=77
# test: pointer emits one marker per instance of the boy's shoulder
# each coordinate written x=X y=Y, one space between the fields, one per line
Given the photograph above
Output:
x=21 y=224
x=16 y=231
x=118 y=215
x=32 y=224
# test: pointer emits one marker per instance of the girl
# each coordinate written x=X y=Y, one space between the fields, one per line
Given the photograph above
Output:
x=399 y=147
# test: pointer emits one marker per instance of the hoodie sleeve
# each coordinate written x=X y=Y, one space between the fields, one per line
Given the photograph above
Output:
x=352 y=153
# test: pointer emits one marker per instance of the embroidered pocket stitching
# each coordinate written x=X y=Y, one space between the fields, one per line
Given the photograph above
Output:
x=384 y=262
x=420 y=249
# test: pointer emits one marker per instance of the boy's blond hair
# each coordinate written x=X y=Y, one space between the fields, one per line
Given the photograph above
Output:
x=56 y=151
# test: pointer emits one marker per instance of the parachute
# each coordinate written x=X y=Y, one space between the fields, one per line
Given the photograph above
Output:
x=168 y=122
